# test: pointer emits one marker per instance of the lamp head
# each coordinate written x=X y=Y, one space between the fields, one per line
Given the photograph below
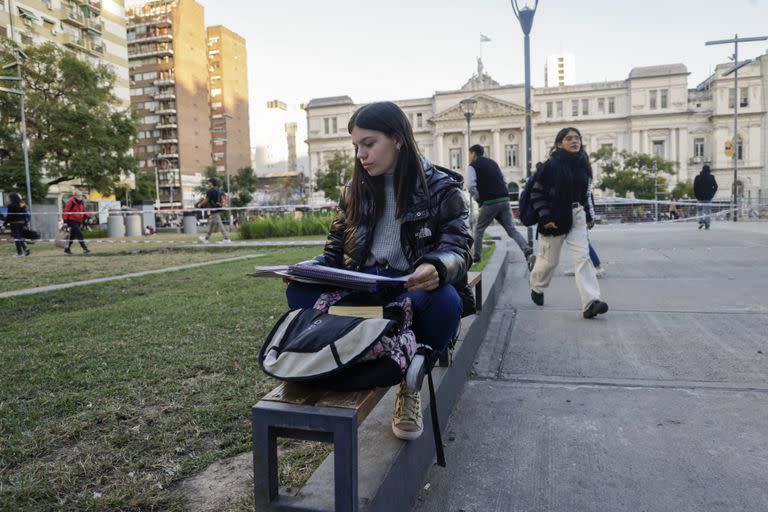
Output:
x=468 y=107
x=524 y=11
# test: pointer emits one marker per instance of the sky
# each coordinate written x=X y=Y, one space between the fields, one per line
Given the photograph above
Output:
x=402 y=49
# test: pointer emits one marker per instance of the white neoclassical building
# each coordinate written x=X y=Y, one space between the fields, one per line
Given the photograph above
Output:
x=652 y=111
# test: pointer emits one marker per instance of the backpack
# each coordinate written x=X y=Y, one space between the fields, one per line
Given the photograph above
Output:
x=222 y=201
x=528 y=214
x=341 y=353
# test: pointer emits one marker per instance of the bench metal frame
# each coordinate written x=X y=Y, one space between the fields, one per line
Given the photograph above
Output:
x=335 y=425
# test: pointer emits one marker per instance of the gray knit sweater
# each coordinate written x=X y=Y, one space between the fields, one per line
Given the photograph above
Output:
x=386 y=249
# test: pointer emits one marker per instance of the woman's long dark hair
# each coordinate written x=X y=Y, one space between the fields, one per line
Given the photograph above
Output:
x=14 y=198
x=388 y=118
x=583 y=155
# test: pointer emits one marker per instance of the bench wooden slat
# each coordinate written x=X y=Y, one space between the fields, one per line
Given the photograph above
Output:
x=298 y=394
x=473 y=278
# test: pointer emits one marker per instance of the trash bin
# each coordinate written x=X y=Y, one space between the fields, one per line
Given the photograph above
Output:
x=190 y=222
x=115 y=224
x=133 y=224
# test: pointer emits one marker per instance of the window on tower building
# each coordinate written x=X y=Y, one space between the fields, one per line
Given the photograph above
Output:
x=585 y=107
x=575 y=108
x=601 y=105
x=652 y=99
x=611 y=105
x=664 y=93
x=743 y=97
x=559 y=108
x=549 y=109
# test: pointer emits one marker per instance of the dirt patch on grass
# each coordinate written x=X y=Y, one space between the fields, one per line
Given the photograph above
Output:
x=220 y=485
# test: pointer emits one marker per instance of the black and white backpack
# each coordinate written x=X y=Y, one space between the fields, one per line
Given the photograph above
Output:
x=343 y=353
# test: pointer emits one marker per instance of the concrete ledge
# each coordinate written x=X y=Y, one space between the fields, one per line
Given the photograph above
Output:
x=391 y=471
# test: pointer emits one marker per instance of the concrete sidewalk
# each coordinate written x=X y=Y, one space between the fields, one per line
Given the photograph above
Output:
x=659 y=405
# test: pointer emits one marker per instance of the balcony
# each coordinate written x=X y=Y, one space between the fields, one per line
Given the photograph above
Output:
x=166 y=111
x=159 y=21
x=98 y=48
x=150 y=52
x=165 y=95
x=167 y=156
x=78 y=43
x=166 y=126
x=75 y=18
x=164 y=81
x=155 y=38
x=699 y=160
x=167 y=141
x=94 y=4
x=95 y=25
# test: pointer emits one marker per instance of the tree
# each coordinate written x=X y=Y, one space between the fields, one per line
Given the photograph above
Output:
x=639 y=173
x=683 y=189
x=77 y=128
x=243 y=186
x=337 y=173
x=144 y=190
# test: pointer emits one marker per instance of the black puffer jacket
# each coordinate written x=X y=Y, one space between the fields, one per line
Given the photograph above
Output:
x=565 y=179
x=434 y=230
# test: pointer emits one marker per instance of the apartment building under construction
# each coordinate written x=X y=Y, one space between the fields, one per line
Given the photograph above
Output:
x=169 y=60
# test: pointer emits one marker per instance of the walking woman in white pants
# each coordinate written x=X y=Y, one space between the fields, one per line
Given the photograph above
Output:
x=562 y=198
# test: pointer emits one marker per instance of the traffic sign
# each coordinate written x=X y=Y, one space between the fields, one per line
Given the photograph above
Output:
x=729 y=151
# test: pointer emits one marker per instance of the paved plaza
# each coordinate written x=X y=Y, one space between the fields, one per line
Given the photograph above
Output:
x=659 y=405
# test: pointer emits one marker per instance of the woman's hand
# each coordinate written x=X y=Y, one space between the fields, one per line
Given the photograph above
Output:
x=425 y=277
x=550 y=225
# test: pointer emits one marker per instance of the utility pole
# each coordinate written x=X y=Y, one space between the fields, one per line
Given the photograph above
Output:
x=20 y=56
x=655 y=191
x=736 y=144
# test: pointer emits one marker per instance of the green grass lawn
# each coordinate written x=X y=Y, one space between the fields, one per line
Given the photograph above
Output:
x=112 y=393
x=48 y=265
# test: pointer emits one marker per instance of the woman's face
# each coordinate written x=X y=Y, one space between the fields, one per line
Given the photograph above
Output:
x=376 y=151
x=571 y=142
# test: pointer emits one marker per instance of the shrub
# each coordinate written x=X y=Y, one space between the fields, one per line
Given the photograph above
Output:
x=284 y=225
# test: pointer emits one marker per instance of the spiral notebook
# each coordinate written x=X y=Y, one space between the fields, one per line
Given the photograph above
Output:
x=332 y=276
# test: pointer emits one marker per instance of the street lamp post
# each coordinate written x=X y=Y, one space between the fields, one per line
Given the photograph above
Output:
x=524 y=11
x=735 y=70
x=468 y=107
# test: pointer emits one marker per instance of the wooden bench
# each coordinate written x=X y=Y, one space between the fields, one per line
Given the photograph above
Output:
x=303 y=412
x=307 y=413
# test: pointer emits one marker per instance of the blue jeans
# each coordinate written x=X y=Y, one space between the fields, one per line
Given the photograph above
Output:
x=436 y=314
x=593 y=256
x=704 y=211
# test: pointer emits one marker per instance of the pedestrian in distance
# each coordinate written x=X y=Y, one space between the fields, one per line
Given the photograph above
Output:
x=562 y=199
x=704 y=188
x=487 y=186
x=400 y=215
x=17 y=219
x=674 y=212
x=213 y=200
x=74 y=217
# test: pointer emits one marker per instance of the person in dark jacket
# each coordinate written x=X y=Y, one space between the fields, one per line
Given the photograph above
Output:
x=400 y=215
x=704 y=188
x=487 y=186
x=16 y=219
x=74 y=216
x=562 y=197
